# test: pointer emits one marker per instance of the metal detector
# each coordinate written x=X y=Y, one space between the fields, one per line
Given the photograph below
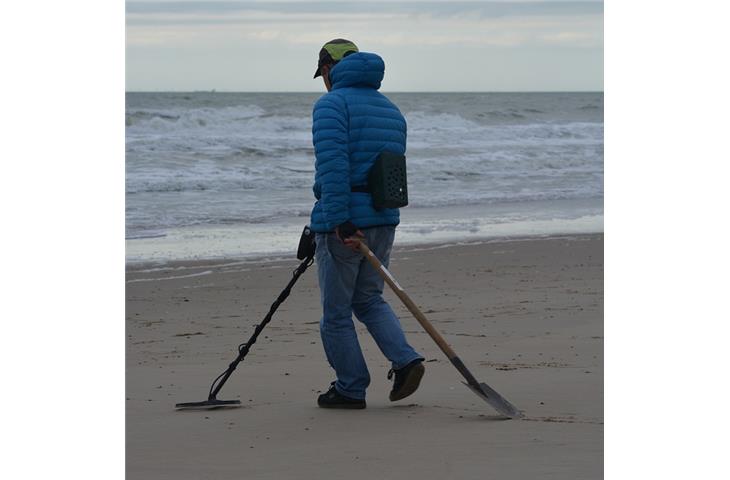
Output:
x=305 y=252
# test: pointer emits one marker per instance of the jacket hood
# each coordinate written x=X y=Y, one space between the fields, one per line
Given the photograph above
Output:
x=361 y=69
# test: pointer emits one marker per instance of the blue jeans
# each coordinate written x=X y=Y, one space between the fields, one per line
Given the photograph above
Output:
x=348 y=283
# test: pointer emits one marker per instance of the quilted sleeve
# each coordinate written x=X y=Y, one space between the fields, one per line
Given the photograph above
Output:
x=405 y=132
x=332 y=166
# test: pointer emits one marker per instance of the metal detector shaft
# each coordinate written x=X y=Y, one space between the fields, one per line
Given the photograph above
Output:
x=482 y=389
x=245 y=347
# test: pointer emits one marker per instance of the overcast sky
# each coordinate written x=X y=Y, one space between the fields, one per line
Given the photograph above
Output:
x=427 y=46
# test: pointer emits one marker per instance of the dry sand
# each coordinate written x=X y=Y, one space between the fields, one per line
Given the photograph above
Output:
x=526 y=316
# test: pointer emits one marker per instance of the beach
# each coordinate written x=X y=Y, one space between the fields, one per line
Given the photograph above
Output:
x=525 y=315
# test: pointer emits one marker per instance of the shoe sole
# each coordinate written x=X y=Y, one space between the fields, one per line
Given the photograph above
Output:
x=346 y=406
x=411 y=384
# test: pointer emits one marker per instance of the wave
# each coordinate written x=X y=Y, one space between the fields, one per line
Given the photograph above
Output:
x=215 y=182
x=251 y=129
x=176 y=118
x=251 y=163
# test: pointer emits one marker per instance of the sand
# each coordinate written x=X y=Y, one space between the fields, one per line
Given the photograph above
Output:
x=526 y=316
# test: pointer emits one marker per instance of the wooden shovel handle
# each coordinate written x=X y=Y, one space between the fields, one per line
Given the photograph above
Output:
x=377 y=265
x=483 y=390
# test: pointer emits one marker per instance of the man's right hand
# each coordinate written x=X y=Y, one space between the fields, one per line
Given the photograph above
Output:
x=349 y=234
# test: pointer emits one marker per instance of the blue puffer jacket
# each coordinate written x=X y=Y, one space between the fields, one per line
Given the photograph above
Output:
x=352 y=124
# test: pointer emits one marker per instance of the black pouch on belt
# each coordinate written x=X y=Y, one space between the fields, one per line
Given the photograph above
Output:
x=387 y=181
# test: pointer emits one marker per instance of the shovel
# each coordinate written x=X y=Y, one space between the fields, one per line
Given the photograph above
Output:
x=484 y=391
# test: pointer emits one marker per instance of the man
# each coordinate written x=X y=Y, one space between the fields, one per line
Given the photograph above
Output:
x=352 y=124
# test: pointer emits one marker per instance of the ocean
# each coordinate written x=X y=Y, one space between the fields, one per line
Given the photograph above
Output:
x=229 y=175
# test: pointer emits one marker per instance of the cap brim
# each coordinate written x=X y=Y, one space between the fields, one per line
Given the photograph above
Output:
x=318 y=72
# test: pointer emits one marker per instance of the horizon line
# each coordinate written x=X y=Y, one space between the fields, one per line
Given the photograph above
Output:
x=388 y=91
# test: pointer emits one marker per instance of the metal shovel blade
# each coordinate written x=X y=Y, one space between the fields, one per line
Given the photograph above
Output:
x=497 y=401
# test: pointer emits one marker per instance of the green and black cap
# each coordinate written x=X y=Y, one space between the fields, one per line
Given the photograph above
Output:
x=334 y=51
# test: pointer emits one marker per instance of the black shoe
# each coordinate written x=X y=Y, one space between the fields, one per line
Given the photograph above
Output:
x=334 y=399
x=407 y=380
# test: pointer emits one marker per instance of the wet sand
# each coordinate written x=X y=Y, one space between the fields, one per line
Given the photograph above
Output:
x=526 y=316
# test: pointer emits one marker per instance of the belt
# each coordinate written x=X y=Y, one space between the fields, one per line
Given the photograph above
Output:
x=360 y=189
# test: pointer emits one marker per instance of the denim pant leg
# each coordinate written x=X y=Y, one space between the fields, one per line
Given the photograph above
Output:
x=370 y=307
x=338 y=269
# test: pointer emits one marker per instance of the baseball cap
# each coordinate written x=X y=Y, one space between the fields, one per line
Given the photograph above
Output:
x=334 y=51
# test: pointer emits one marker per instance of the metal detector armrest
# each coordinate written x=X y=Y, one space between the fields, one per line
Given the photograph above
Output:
x=307 y=245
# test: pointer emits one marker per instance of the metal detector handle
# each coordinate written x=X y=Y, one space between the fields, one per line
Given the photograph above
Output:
x=435 y=335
